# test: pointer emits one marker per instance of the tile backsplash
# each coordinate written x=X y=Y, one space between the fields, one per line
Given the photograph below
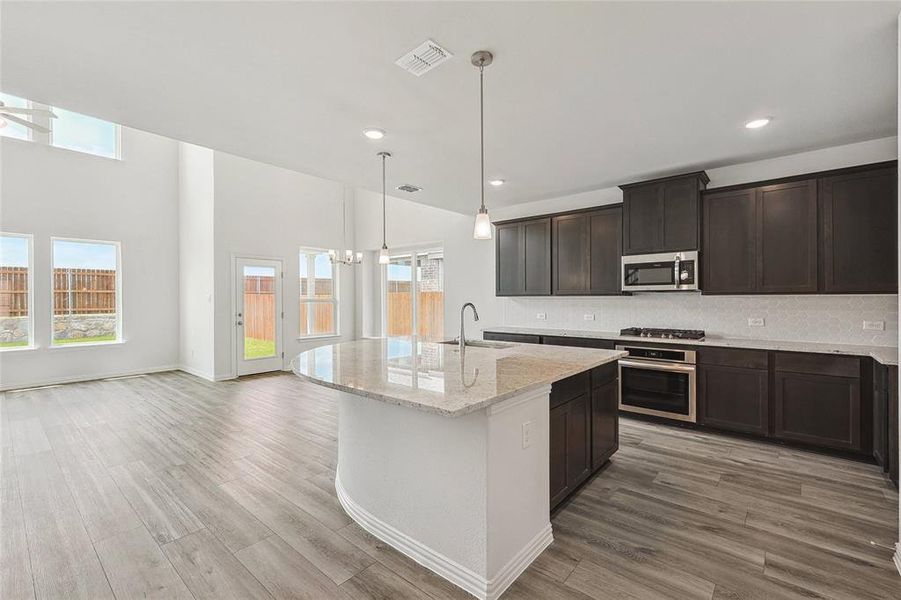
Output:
x=793 y=318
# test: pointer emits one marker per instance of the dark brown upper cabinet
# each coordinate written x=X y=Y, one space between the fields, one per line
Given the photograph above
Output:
x=832 y=232
x=760 y=240
x=859 y=215
x=523 y=251
x=729 y=244
x=586 y=252
x=662 y=215
x=787 y=237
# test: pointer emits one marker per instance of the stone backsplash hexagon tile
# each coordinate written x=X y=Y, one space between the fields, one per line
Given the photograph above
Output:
x=817 y=318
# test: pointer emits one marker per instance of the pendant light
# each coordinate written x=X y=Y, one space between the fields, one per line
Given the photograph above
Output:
x=383 y=253
x=482 y=229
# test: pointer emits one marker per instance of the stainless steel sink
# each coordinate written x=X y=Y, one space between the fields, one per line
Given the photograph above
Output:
x=481 y=344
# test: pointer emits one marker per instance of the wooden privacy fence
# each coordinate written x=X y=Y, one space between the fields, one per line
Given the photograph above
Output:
x=75 y=291
x=430 y=314
x=13 y=291
x=259 y=307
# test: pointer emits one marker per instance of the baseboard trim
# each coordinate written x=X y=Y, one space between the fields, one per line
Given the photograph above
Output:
x=897 y=557
x=196 y=373
x=462 y=577
x=84 y=378
x=519 y=563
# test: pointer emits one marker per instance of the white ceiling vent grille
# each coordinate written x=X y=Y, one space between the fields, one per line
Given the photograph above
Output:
x=423 y=58
x=409 y=188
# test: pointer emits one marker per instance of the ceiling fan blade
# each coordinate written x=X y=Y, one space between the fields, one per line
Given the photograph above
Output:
x=28 y=111
x=22 y=122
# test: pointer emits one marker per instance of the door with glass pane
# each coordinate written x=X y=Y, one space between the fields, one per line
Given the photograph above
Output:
x=414 y=295
x=258 y=316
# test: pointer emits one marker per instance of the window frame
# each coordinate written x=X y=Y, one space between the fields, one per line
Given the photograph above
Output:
x=119 y=313
x=310 y=299
x=30 y=296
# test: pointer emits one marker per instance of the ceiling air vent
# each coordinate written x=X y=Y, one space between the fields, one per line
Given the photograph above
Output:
x=408 y=188
x=423 y=58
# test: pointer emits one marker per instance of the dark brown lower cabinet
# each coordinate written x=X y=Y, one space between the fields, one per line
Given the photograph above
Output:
x=584 y=428
x=579 y=342
x=893 y=456
x=733 y=398
x=521 y=338
x=604 y=423
x=570 y=451
x=817 y=400
x=880 y=416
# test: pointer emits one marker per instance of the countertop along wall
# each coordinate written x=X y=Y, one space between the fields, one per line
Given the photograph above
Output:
x=837 y=319
x=49 y=191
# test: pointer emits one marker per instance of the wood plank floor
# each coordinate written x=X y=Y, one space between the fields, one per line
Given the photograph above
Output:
x=167 y=486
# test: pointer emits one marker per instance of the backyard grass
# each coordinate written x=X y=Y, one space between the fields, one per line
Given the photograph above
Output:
x=254 y=348
x=13 y=344
x=86 y=340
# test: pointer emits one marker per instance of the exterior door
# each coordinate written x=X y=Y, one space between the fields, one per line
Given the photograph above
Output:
x=258 y=316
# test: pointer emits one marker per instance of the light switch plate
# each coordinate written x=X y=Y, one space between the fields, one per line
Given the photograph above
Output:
x=541 y=316
x=588 y=316
x=526 y=434
x=756 y=322
x=874 y=325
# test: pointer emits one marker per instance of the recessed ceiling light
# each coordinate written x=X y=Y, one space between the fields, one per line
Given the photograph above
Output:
x=373 y=133
x=496 y=182
x=758 y=123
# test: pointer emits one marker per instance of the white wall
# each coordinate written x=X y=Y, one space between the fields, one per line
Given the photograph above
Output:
x=468 y=263
x=48 y=191
x=195 y=259
x=820 y=318
x=263 y=211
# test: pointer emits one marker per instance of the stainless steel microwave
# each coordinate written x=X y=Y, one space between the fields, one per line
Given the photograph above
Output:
x=667 y=271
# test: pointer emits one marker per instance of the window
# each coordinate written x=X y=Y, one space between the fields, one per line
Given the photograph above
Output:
x=7 y=127
x=70 y=130
x=16 y=316
x=414 y=295
x=82 y=133
x=87 y=299
x=318 y=294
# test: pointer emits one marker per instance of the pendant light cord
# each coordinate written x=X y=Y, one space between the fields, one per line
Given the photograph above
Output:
x=482 y=128
x=384 y=204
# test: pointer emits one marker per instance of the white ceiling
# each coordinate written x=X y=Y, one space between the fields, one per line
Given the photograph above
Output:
x=581 y=95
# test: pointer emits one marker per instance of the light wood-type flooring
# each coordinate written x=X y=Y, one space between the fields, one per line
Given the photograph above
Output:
x=167 y=486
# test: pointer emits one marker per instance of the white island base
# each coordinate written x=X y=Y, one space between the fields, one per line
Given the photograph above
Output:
x=467 y=496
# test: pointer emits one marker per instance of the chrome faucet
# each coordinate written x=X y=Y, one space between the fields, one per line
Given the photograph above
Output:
x=475 y=315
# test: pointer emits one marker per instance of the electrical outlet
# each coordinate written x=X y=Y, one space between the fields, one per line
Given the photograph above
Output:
x=588 y=316
x=756 y=322
x=526 y=434
x=541 y=316
x=874 y=325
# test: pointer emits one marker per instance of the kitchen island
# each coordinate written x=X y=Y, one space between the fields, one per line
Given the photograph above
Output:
x=445 y=455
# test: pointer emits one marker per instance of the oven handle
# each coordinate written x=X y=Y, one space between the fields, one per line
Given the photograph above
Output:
x=656 y=366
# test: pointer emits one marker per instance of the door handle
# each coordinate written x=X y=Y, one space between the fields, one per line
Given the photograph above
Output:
x=240 y=323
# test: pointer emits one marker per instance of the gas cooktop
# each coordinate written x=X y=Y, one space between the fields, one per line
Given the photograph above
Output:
x=668 y=334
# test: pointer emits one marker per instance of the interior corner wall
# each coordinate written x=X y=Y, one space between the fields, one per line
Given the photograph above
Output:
x=47 y=191
x=468 y=263
x=195 y=260
x=262 y=211
x=898 y=150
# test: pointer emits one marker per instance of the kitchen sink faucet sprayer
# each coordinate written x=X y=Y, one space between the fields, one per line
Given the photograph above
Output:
x=475 y=315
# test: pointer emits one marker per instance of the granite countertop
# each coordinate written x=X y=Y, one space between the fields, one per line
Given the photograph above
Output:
x=887 y=355
x=432 y=376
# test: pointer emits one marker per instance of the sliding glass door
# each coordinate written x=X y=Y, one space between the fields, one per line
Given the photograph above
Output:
x=414 y=294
